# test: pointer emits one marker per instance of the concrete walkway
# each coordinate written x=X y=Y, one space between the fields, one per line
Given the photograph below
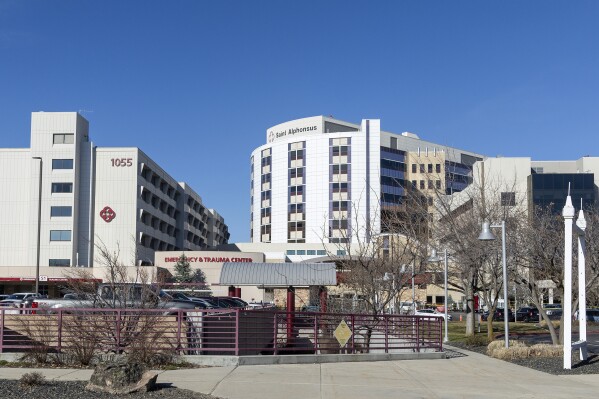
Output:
x=472 y=376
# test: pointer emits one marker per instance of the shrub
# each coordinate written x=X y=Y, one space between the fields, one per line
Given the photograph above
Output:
x=519 y=350
x=546 y=350
x=476 y=340
x=31 y=379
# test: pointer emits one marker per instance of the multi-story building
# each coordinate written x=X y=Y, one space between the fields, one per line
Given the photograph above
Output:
x=322 y=180
x=528 y=184
x=64 y=196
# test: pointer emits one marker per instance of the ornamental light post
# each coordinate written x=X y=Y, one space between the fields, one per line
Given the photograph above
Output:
x=487 y=235
x=435 y=258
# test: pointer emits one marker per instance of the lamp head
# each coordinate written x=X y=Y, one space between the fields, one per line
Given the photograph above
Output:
x=486 y=234
x=434 y=257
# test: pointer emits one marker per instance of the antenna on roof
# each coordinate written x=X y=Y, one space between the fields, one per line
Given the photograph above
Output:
x=568 y=188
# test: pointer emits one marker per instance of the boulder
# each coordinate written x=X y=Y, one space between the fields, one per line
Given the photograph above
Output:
x=121 y=377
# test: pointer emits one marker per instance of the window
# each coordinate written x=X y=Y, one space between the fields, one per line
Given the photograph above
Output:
x=438 y=184
x=311 y=252
x=430 y=168
x=430 y=184
x=508 y=199
x=421 y=168
x=414 y=168
x=59 y=262
x=60 y=235
x=341 y=252
x=61 y=211
x=422 y=184
x=64 y=138
x=291 y=252
x=438 y=168
x=62 y=164
x=62 y=187
x=301 y=251
x=340 y=205
x=414 y=184
x=340 y=169
x=321 y=252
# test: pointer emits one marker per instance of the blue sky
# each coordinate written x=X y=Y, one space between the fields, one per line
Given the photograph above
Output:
x=195 y=84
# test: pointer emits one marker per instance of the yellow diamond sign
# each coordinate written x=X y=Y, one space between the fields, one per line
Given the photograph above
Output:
x=342 y=333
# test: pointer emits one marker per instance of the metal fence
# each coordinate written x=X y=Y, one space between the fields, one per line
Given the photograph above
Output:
x=214 y=331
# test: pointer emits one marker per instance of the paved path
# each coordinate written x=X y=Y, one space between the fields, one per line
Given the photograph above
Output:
x=472 y=376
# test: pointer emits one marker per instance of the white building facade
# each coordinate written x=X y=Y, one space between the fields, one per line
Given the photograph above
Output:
x=64 y=196
x=322 y=180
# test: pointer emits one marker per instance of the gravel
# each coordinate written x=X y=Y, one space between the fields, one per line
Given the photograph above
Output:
x=550 y=365
x=12 y=389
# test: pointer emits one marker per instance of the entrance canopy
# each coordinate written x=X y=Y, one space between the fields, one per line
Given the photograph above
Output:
x=278 y=274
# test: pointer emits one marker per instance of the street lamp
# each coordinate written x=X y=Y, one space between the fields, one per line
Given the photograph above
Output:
x=487 y=235
x=435 y=258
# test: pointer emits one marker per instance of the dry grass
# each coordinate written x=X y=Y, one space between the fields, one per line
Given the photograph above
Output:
x=519 y=350
x=543 y=323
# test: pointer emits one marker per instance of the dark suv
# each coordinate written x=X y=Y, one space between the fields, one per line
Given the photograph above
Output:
x=498 y=315
x=527 y=314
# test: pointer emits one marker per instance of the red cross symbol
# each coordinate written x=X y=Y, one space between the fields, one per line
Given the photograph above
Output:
x=107 y=214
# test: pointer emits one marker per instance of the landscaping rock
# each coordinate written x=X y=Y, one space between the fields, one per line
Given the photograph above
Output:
x=122 y=377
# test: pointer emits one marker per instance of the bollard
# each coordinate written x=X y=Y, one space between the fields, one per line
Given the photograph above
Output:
x=460 y=317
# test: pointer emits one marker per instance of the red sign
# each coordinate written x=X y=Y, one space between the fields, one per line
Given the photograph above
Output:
x=193 y=259
x=107 y=214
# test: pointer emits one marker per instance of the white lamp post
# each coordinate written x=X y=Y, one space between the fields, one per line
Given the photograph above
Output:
x=487 y=235
x=435 y=258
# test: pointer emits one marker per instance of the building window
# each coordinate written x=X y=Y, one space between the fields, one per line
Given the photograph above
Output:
x=59 y=262
x=414 y=184
x=422 y=184
x=438 y=184
x=430 y=184
x=62 y=187
x=414 y=168
x=341 y=252
x=61 y=211
x=62 y=164
x=60 y=235
x=64 y=138
x=421 y=168
x=430 y=168
x=438 y=168
x=291 y=252
x=301 y=251
x=321 y=252
x=508 y=199
x=311 y=252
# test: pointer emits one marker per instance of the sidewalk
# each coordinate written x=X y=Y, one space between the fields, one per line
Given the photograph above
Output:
x=472 y=376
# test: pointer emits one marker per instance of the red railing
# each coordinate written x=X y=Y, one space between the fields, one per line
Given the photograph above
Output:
x=214 y=331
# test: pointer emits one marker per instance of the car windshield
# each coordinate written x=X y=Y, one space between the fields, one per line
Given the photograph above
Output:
x=16 y=296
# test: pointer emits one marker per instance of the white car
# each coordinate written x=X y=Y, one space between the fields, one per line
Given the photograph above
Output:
x=14 y=300
x=431 y=312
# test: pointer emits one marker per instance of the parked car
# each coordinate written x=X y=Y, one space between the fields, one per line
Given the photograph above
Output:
x=527 y=314
x=592 y=315
x=18 y=298
x=3 y=297
x=432 y=312
x=498 y=315
x=202 y=303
